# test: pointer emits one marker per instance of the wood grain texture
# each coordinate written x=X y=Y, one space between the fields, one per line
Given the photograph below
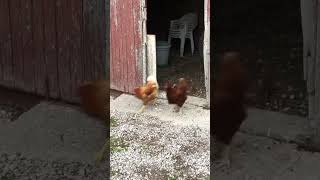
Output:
x=50 y=47
x=206 y=49
x=17 y=45
x=6 y=76
x=52 y=76
x=27 y=64
x=317 y=66
x=126 y=42
x=151 y=56
x=38 y=60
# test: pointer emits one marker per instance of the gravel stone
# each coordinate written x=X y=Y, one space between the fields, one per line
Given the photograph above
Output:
x=158 y=149
x=21 y=167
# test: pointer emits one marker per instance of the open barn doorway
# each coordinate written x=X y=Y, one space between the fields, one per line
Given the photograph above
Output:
x=189 y=66
x=269 y=35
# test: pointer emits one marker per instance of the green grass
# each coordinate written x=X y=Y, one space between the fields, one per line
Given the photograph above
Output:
x=113 y=122
x=117 y=145
x=170 y=178
x=113 y=173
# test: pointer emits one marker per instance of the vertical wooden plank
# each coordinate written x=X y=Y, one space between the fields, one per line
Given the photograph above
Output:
x=308 y=17
x=100 y=41
x=106 y=34
x=317 y=67
x=114 y=45
x=87 y=43
x=117 y=36
x=17 y=46
x=38 y=47
x=206 y=48
x=126 y=9
x=51 y=48
x=26 y=28
x=93 y=28
x=151 y=56
x=308 y=14
x=127 y=55
x=75 y=48
x=64 y=57
x=6 y=76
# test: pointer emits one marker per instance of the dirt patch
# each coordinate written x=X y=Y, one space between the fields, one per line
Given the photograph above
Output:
x=14 y=103
x=272 y=48
x=188 y=67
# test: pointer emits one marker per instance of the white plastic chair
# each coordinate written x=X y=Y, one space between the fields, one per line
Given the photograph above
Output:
x=183 y=28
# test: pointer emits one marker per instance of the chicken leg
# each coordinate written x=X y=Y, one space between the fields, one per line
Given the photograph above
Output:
x=224 y=159
x=141 y=110
x=177 y=108
x=153 y=102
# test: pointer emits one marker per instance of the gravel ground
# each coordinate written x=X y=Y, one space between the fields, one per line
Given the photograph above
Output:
x=9 y=112
x=19 y=167
x=153 y=149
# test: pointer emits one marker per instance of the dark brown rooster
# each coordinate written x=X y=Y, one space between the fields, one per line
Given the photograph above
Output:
x=177 y=93
x=229 y=109
x=94 y=98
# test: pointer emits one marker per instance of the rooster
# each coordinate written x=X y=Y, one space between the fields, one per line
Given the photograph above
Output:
x=95 y=98
x=177 y=93
x=147 y=93
x=229 y=109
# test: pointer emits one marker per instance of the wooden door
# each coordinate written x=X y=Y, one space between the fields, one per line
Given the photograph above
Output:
x=206 y=48
x=310 y=11
x=127 y=43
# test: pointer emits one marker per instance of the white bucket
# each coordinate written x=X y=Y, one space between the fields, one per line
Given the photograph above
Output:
x=163 y=51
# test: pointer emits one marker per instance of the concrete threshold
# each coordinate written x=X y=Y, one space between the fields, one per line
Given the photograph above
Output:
x=54 y=131
x=281 y=127
x=191 y=113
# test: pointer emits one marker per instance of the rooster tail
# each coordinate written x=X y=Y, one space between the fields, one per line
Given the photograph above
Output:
x=137 y=92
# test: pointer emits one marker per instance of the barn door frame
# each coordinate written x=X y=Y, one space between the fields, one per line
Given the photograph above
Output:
x=310 y=11
x=144 y=40
x=206 y=49
x=149 y=64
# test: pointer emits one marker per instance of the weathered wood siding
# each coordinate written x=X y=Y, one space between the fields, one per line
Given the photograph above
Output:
x=126 y=42
x=206 y=48
x=49 y=47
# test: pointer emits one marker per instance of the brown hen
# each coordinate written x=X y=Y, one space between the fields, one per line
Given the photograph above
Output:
x=95 y=97
x=147 y=92
x=177 y=93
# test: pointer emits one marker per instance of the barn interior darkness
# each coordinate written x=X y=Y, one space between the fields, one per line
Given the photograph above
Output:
x=159 y=14
x=269 y=36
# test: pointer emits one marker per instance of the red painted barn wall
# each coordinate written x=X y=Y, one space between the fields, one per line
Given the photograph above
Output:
x=51 y=47
x=126 y=45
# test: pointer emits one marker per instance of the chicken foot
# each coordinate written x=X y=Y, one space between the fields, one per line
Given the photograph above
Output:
x=177 y=108
x=224 y=160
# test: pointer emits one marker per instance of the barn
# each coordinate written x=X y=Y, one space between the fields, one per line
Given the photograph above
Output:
x=48 y=48
x=135 y=28
x=280 y=41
